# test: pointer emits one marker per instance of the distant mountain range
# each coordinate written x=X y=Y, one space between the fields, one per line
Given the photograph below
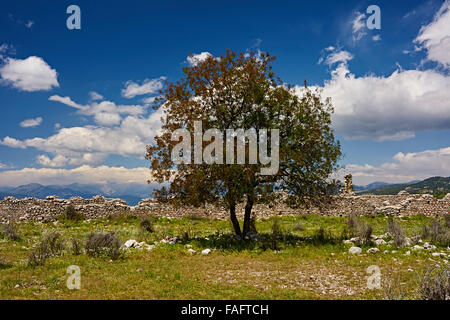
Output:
x=435 y=185
x=132 y=193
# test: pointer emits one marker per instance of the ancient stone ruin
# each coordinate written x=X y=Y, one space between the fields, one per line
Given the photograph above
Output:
x=347 y=189
x=403 y=204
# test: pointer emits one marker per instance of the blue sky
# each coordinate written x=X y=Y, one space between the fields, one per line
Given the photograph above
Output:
x=84 y=91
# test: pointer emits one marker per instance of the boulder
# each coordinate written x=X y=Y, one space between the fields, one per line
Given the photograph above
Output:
x=355 y=250
x=206 y=252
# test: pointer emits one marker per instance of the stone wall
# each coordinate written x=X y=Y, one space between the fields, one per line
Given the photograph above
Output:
x=49 y=209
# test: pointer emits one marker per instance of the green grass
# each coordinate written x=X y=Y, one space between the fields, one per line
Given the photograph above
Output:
x=303 y=268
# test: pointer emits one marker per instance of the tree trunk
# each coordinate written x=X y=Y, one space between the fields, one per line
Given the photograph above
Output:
x=234 y=220
x=247 y=215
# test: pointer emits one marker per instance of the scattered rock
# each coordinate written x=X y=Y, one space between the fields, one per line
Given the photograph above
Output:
x=355 y=250
x=373 y=250
x=192 y=251
x=131 y=244
x=206 y=252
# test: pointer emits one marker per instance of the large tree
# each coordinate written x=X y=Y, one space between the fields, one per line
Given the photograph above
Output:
x=240 y=91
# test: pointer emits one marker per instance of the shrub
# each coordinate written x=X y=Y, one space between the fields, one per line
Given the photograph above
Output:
x=146 y=224
x=322 y=235
x=77 y=246
x=72 y=214
x=360 y=229
x=392 y=290
x=51 y=245
x=275 y=234
x=4 y=264
x=299 y=227
x=103 y=244
x=437 y=233
x=447 y=220
x=396 y=232
x=434 y=283
x=10 y=231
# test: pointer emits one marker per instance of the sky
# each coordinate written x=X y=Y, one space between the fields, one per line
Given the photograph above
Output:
x=75 y=103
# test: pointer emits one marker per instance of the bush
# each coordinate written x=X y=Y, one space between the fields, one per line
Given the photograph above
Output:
x=447 y=220
x=72 y=214
x=146 y=225
x=434 y=283
x=275 y=234
x=360 y=229
x=51 y=245
x=392 y=290
x=103 y=244
x=322 y=236
x=10 y=231
x=396 y=232
x=299 y=227
x=437 y=233
x=4 y=264
x=77 y=246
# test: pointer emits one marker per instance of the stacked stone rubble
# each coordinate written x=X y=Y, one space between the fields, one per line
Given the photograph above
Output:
x=403 y=204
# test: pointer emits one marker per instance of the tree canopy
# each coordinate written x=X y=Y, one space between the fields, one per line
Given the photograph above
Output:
x=240 y=91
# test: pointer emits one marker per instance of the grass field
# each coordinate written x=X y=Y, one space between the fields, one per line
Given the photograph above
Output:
x=306 y=265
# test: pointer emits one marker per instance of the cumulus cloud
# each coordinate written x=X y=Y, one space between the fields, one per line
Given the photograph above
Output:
x=31 y=122
x=194 y=59
x=57 y=161
x=148 y=86
x=390 y=107
x=91 y=145
x=31 y=74
x=105 y=113
x=435 y=37
x=84 y=174
x=336 y=56
x=12 y=143
x=403 y=168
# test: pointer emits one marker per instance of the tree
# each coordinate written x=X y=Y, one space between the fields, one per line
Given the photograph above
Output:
x=241 y=91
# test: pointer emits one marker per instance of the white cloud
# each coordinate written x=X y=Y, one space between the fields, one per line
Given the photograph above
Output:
x=67 y=101
x=6 y=49
x=95 y=96
x=13 y=143
x=56 y=162
x=83 y=174
x=384 y=108
x=403 y=168
x=91 y=145
x=31 y=122
x=107 y=119
x=358 y=26
x=194 y=59
x=148 y=86
x=435 y=37
x=3 y=166
x=105 y=113
x=376 y=37
x=336 y=56
x=29 y=24
x=31 y=74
